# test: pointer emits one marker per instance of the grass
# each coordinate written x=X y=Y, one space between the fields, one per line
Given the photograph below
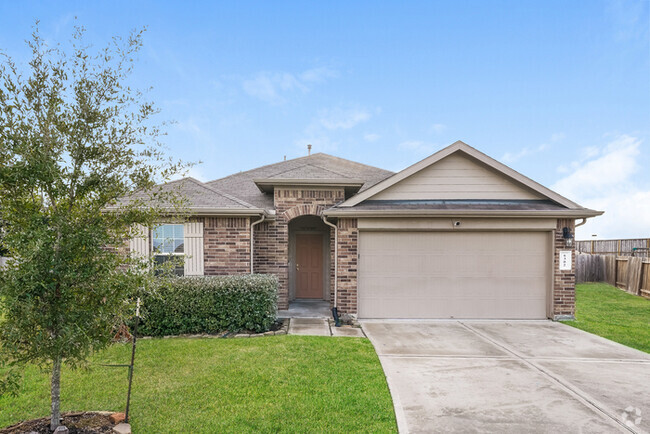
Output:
x=614 y=314
x=271 y=384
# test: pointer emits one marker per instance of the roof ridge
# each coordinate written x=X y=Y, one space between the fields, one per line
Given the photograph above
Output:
x=330 y=170
x=300 y=158
x=353 y=162
x=260 y=167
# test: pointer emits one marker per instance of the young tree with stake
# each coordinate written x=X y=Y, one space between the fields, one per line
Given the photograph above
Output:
x=74 y=139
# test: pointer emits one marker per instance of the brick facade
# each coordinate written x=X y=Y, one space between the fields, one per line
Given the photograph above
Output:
x=564 y=282
x=226 y=245
x=348 y=235
x=227 y=249
x=272 y=238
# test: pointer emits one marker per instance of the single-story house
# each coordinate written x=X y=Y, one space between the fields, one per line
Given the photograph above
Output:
x=456 y=235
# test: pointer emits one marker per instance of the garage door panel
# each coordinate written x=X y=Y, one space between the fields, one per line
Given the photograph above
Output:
x=453 y=275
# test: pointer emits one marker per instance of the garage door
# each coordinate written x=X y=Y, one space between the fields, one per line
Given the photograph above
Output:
x=453 y=274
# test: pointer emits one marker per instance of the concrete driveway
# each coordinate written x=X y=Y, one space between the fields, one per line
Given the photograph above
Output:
x=517 y=376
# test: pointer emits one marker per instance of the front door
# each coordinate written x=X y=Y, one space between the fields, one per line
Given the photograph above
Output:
x=309 y=266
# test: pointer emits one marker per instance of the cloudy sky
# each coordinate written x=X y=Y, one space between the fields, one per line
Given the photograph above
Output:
x=558 y=90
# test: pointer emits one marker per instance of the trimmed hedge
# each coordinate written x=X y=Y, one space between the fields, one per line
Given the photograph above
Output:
x=210 y=304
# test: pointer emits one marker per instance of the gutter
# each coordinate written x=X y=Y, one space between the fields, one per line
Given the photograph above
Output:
x=336 y=260
x=253 y=224
x=233 y=212
x=584 y=220
x=461 y=213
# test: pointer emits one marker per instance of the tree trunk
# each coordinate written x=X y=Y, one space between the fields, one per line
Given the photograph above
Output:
x=55 y=394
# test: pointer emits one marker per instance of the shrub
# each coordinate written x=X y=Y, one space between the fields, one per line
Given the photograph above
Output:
x=209 y=305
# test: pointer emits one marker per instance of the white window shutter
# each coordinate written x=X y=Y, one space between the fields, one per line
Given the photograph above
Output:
x=193 y=248
x=139 y=244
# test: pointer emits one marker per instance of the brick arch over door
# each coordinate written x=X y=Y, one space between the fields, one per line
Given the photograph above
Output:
x=301 y=210
x=272 y=237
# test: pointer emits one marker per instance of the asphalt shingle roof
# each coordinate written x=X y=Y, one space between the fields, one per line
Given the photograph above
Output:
x=198 y=195
x=316 y=166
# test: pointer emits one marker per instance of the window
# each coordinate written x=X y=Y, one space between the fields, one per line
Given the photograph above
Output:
x=168 y=243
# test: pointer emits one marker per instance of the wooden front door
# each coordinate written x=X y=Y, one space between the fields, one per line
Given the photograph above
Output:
x=309 y=266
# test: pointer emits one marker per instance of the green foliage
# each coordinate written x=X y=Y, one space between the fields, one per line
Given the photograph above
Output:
x=74 y=141
x=613 y=314
x=209 y=305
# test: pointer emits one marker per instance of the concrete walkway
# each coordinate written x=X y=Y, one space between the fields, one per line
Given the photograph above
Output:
x=321 y=327
x=510 y=377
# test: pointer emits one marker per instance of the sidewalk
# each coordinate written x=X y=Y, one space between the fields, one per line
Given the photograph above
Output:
x=321 y=327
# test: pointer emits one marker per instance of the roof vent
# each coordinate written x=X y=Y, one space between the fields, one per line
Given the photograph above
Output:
x=308 y=150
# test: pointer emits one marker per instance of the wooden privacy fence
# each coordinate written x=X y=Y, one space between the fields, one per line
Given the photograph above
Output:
x=614 y=247
x=631 y=274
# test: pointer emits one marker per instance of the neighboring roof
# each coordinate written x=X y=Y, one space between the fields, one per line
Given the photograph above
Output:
x=317 y=166
x=202 y=198
x=357 y=201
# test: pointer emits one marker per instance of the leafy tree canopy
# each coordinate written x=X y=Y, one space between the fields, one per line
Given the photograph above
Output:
x=74 y=140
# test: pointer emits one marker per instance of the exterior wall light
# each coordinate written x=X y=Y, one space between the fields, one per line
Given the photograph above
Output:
x=568 y=237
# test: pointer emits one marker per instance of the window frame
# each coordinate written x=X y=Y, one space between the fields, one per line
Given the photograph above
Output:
x=179 y=270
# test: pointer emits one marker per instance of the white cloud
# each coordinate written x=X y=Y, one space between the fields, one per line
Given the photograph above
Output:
x=556 y=137
x=438 y=128
x=268 y=86
x=608 y=180
x=418 y=146
x=511 y=157
x=342 y=119
x=193 y=172
x=371 y=137
x=317 y=75
x=272 y=87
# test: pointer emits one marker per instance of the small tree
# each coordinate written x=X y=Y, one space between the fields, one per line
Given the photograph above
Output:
x=74 y=139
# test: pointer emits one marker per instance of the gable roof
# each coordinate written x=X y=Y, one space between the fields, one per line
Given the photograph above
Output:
x=462 y=148
x=312 y=167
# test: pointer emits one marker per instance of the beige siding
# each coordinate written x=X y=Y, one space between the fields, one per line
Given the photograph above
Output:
x=501 y=275
x=194 y=249
x=455 y=177
x=139 y=245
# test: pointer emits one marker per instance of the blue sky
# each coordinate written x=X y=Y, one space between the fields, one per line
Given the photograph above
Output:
x=558 y=90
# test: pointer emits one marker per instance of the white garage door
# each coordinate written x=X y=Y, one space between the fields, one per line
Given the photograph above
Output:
x=453 y=274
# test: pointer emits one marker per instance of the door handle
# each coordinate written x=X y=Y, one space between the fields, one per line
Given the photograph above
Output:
x=297 y=267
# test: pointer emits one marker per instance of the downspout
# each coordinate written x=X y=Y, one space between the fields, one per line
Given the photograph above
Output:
x=335 y=312
x=584 y=220
x=253 y=239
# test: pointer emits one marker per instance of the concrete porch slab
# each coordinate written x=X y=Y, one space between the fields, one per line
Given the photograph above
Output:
x=306 y=309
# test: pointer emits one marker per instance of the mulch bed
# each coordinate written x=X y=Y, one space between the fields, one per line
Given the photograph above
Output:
x=77 y=423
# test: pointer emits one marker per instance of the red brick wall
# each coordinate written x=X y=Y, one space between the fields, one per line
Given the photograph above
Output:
x=348 y=236
x=271 y=255
x=564 y=282
x=272 y=238
x=226 y=244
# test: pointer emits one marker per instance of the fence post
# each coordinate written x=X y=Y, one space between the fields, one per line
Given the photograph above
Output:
x=592 y=247
x=619 y=247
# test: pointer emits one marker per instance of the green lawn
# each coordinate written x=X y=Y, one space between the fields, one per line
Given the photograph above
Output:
x=614 y=314
x=270 y=384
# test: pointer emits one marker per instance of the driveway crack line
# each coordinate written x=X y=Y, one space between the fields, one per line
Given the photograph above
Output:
x=573 y=390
